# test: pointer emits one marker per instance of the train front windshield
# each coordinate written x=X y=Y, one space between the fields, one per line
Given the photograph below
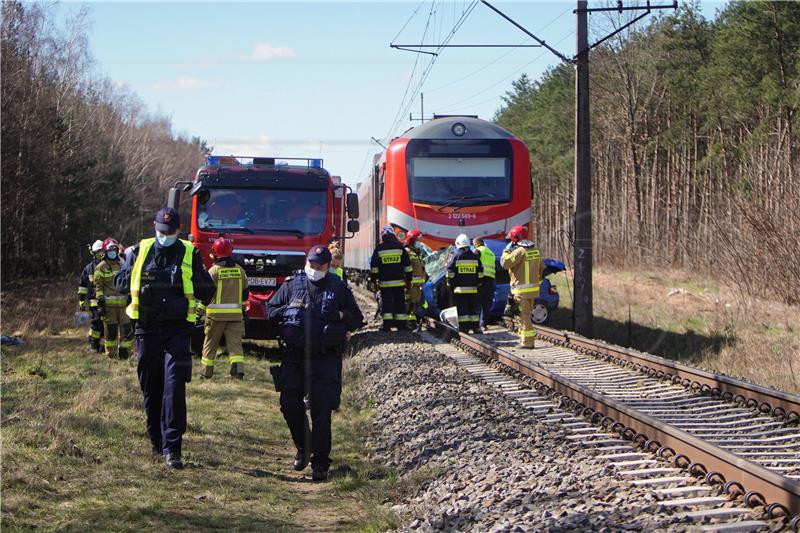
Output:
x=263 y=211
x=459 y=173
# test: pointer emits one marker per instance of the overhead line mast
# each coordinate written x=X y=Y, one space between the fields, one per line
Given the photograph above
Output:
x=582 y=247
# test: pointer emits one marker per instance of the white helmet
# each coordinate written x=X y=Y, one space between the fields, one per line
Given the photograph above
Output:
x=97 y=246
x=462 y=241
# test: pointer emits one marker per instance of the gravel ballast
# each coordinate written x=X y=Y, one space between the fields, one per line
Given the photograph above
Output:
x=487 y=463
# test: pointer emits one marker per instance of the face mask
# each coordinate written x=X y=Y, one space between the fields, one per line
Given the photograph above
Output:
x=166 y=240
x=314 y=275
x=112 y=255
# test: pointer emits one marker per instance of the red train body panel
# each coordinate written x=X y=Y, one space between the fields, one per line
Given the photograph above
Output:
x=448 y=176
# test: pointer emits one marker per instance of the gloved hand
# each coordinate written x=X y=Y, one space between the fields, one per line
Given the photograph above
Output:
x=145 y=295
x=101 y=302
x=82 y=305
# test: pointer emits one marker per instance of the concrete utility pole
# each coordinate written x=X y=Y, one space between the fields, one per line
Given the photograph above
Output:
x=582 y=304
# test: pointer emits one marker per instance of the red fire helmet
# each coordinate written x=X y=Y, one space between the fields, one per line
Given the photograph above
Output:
x=110 y=243
x=518 y=233
x=222 y=247
x=412 y=237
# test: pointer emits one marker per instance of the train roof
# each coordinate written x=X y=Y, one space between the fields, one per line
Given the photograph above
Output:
x=445 y=128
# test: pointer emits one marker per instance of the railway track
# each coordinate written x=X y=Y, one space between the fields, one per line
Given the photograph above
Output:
x=661 y=424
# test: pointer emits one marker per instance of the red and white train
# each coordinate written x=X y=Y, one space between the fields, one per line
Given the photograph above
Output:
x=451 y=175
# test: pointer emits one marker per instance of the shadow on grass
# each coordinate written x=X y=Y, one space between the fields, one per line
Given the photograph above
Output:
x=670 y=344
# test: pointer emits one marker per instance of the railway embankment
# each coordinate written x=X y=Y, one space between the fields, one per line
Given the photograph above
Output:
x=476 y=460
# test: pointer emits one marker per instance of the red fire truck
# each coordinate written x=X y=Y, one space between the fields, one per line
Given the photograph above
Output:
x=274 y=210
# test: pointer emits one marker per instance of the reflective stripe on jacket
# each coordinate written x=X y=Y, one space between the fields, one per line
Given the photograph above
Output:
x=104 y=283
x=487 y=260
x=231 y=281
x=390 y=265
x=186 y=278
x=464 y=272
x=524 y=265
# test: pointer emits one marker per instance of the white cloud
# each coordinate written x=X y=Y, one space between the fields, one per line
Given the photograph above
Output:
x=185 y=84
x=268 y=52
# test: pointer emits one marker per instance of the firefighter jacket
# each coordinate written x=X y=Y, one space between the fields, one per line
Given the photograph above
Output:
x=464 y=272
x=487 y=261
x=417 y=275
x=231 y=290
x=164 y=283
x=104 y=284
x=315 y=315
x=86 y=285
x=524 y=264
x=390 y=265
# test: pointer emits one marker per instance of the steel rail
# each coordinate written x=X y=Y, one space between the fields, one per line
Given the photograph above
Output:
x=778 y=493
x=777 y=403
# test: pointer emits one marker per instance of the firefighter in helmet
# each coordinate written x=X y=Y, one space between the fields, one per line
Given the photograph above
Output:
x=111 y=303
x=224 y=315
x=414 y=293
x=87 y=299
x=390 y=267
x=464 y=273
x=524 y=264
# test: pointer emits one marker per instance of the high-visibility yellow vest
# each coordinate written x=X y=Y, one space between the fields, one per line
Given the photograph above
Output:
x=339 y=271
x=186 y=278
x=487 y=260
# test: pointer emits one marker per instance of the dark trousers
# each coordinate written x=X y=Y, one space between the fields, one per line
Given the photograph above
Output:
x=485 y=298
x=393 y=307
x=319 y=377
x=95 y=330
x=468 y=308
x=165 y=366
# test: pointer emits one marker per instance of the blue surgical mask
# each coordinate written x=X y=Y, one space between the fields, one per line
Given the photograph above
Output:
x=111 y=255
x=166 y=240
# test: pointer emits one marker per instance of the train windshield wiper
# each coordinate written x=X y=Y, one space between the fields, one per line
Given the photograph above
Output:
x=452 y=201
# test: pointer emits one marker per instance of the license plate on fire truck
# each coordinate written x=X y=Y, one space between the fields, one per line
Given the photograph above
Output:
x=263 y=282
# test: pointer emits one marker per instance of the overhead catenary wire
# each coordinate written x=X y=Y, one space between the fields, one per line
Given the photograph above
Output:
x=401 y=109
x=501 y=57
x=429 y=67
x=502 y=80
x=369 y=149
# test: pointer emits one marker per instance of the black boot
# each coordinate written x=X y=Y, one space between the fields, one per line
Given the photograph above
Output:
x=301 y=460
x=173 y=460
x=319 y=475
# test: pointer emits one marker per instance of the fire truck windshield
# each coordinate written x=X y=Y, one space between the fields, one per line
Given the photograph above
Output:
x=264 y=211
x=459 y=173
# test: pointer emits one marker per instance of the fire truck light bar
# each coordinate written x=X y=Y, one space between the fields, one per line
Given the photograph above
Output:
x=242 y=160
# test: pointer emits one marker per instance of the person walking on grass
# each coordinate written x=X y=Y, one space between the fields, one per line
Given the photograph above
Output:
x=165 y=278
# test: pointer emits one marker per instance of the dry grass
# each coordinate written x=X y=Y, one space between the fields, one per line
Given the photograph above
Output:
x=75 y=455
x=702 y=322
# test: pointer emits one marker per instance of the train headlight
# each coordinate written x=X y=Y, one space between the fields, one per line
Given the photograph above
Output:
x=459 y=129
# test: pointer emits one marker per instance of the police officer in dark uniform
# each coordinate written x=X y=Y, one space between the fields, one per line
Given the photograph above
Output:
x=166 y=279
x=315 y=310
x=391 y=267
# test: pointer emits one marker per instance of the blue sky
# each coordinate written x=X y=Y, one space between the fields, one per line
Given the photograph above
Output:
x=305 y=79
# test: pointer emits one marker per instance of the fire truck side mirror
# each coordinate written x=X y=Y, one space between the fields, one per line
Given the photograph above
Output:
x=174 y=197
x=352 y=226
x=352 y=207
